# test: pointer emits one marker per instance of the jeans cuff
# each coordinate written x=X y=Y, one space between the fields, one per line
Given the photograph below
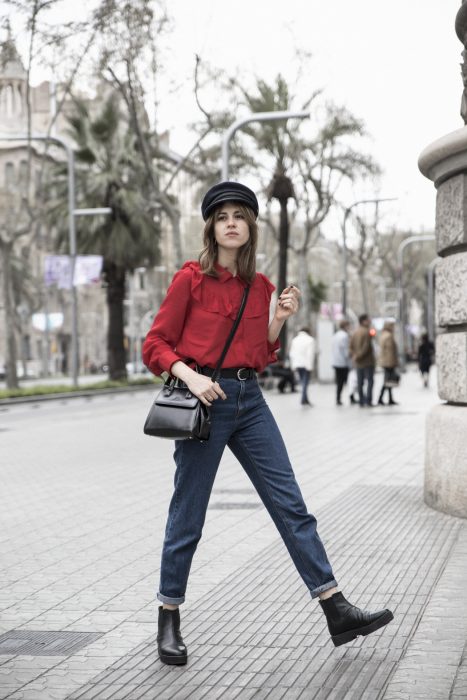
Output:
x=170 y=601
x=325 y=587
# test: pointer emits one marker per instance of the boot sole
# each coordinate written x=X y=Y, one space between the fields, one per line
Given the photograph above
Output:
x=173 y=660
x=349 y=636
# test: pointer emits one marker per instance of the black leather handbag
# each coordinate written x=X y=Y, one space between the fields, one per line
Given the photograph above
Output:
x=179 y=415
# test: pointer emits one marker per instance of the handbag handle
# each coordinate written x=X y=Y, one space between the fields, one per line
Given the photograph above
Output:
x=231 y=334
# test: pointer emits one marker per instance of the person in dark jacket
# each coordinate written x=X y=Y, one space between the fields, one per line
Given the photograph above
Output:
x=426 y=351
x=194 y=321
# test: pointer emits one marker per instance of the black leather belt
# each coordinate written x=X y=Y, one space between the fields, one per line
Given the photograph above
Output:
x=241 y=373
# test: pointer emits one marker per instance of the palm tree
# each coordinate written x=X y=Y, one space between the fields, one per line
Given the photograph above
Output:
x=110 y=173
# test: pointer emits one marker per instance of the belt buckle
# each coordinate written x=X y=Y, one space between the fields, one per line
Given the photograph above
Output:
x=242 y=379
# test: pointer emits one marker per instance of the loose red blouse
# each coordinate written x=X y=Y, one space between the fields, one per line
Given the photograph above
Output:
x=197 y=314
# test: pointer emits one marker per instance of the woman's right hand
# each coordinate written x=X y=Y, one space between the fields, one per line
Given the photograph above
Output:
x=200 y=386
x=204 y=388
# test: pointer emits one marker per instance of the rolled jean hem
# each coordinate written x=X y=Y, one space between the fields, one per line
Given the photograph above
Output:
x=325 y=587
x=170 y=601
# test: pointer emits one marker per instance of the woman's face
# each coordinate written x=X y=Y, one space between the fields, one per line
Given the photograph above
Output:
x=231 y=229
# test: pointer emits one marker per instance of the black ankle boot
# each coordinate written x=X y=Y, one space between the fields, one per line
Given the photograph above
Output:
x=346 y=622
x=170 y=644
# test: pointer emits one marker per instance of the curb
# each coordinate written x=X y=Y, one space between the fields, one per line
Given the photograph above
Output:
x=75 y=394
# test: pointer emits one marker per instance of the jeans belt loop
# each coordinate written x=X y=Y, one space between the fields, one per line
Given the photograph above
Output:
x=242 y=379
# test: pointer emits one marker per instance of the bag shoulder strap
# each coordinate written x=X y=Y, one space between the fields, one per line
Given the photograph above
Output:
x=231 y=334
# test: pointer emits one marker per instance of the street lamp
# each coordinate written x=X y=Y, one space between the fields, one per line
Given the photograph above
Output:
x=347 y=211
x=254 y=117
x=400 y=261
x=72 y=212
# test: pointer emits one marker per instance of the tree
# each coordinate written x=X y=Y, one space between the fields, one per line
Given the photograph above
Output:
x=131 y=32
x=32 y=186
x=364 y=253
x=110 y=173
x=309 y=165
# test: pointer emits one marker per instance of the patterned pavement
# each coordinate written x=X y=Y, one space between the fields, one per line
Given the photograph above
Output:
x=83 y=499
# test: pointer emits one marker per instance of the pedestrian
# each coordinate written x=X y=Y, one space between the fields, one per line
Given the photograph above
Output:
x=426 y=351
x=341 y=357
x=302 y=359
x=388 y=360
x=286 y=375
x=194 y=321
x=363 y=357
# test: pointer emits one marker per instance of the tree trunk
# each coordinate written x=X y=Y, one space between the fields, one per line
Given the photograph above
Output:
x=174 y=215
x=363 y=287
x=283 y=253
x=11 y=350
x=115 y=277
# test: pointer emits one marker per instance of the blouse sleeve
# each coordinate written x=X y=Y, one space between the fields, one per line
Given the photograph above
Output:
x=159 y=346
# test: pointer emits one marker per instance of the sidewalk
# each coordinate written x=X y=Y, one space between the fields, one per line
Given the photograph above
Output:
x=84 y=497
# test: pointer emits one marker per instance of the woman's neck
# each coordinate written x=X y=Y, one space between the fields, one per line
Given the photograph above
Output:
x=228 y=259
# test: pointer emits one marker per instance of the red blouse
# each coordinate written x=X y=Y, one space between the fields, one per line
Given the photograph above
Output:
x=197 y=314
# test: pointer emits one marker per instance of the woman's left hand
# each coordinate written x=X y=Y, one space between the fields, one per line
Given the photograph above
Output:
x=287 y=304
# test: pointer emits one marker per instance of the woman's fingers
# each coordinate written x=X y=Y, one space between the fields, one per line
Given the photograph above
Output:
x=218 y=389
x=211 y=392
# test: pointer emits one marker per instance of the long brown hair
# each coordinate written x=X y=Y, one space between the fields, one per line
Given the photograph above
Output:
x=246 y=260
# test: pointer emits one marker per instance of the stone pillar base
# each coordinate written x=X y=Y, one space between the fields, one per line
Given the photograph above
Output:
x=446 y=460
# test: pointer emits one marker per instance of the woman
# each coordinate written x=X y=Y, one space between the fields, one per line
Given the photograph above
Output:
x=194 y=322
x=388 y=360
x=426 y=350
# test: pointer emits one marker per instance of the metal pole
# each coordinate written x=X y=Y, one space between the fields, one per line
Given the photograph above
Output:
x=400 y=260
x=431 y=298
x=344 y=242
x=255 y=117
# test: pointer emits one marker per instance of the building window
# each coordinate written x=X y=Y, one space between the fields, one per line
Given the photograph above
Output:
x=9 y=101
x=9 y=177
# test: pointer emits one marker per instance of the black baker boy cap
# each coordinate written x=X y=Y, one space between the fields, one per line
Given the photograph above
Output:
x=228 y=191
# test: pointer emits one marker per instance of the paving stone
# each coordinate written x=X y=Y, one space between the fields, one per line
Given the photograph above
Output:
x=83 y=549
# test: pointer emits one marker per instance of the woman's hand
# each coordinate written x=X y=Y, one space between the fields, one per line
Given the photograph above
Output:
x=287 y=304
x=204 y=389
x=200 y=386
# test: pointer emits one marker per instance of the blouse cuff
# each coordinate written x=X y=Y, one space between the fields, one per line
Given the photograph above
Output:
x=167 y=359
x=272 y=350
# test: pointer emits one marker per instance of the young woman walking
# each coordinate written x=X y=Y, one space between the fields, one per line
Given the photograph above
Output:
x=193 y=322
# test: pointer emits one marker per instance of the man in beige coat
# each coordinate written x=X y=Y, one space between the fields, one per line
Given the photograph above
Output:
x=363 y=357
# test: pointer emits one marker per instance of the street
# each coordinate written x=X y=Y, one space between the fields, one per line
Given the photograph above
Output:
x=84 y=496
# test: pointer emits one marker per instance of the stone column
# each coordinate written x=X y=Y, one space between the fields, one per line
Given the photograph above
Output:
x=445 y=163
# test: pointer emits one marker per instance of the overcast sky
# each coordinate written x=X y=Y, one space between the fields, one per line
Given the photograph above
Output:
x=394 y=64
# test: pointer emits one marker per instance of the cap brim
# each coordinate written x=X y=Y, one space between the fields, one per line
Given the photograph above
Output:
x=233 y=197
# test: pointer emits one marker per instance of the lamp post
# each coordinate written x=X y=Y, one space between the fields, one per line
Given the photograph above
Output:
x=72 y=212
x=254 y=117
x=347 y=212
x=400 y=262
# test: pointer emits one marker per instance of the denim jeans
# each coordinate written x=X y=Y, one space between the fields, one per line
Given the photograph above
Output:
x=304 y=375
x=365 y=373
x=244 y=423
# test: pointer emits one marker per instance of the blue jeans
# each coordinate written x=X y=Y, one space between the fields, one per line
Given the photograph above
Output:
x=304 y=375
x=365 y=373
x=245 y=424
